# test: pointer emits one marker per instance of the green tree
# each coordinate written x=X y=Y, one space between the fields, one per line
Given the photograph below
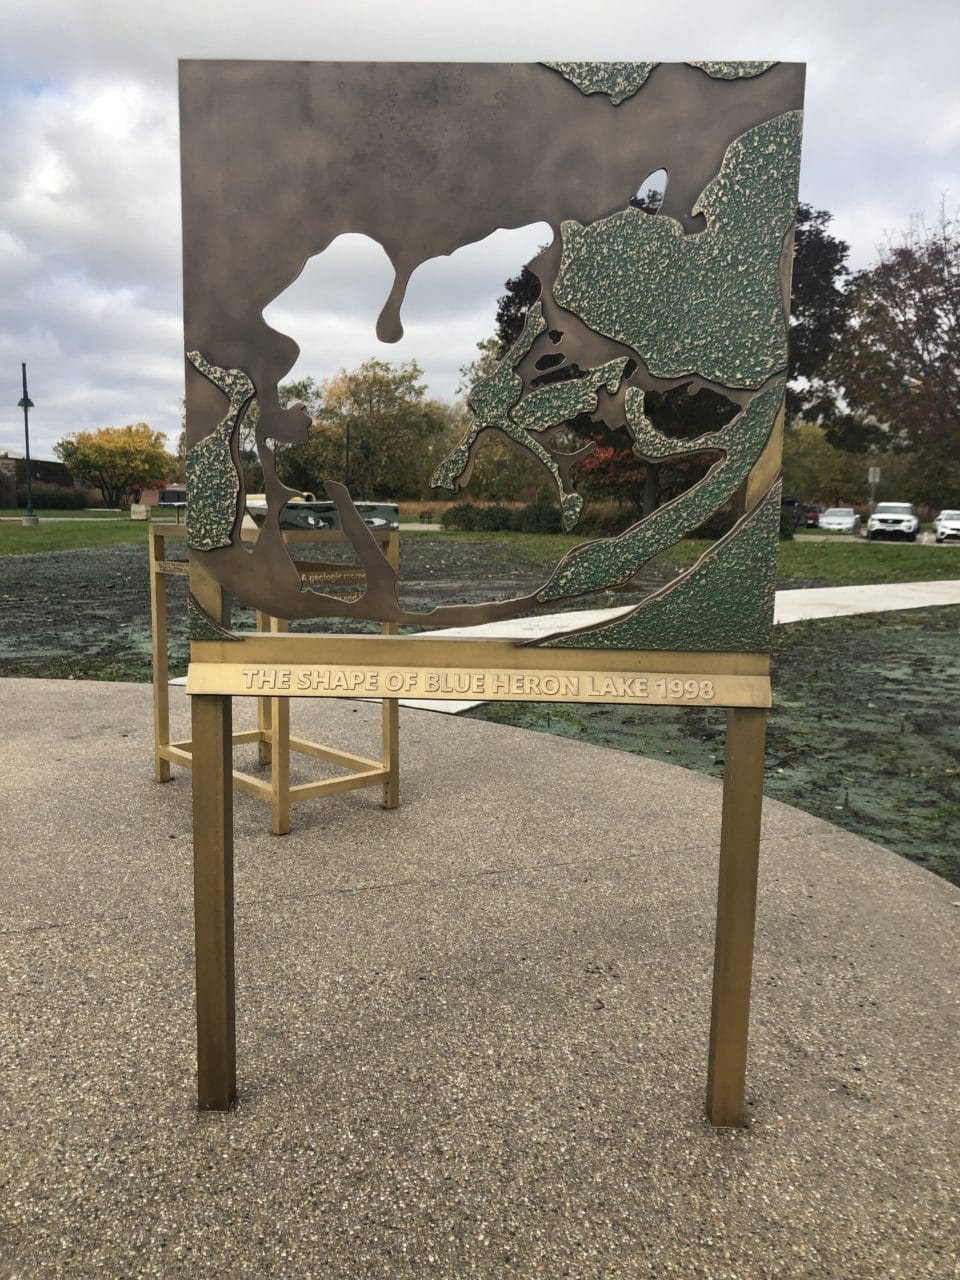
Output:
x=305 y=391
x=119 y=461
x=817 y=315
x=470 y=374
x=899 y=364
x=441 y=427
x=390 y=435
x=178 y=471
x=817 y=471
x=521 y=292
x=307 y=466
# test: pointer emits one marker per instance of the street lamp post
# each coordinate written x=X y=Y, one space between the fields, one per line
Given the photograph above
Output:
x=26 y=404
x=873 y=479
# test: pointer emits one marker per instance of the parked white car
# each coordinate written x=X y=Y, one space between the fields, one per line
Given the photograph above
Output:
x=947 y=525
x=840 y=520
x=894 y=520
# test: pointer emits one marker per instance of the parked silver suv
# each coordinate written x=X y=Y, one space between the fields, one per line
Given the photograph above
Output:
x=894 y=520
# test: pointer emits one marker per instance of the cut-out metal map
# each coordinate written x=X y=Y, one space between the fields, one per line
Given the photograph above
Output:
x=279 y=159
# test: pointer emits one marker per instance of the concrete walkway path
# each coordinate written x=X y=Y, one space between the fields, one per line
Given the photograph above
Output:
x=472 y=1031
x=790 y=606
x=835 y=602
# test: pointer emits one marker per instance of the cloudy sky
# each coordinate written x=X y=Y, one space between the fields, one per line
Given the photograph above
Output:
x=89 y=205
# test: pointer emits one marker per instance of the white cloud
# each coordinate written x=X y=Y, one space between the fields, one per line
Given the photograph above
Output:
x=331 y=309
x=89 y=186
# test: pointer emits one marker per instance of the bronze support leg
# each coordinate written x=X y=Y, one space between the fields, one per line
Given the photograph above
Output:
x=161 y=658
x=212 y=717
x=736 y=914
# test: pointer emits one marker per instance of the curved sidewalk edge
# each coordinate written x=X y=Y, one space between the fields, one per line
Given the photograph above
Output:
x=835 y=602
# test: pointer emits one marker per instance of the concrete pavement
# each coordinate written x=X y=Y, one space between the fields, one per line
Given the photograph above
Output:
x=835 y=602
x=472 y=1032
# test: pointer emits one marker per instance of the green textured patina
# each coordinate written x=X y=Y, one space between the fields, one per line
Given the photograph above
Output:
x=733 y=70
x=213 y=482
x=560 y=401
x=609 y=562
x=490 y=402
x=710 y=302
x=493 y=397
x=202 y=626
x=496 y=405
x=724 y=603
x=618 y=80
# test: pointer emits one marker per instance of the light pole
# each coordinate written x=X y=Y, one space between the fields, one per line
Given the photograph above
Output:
x=26 y=404
x=499 y=467
x=873 y=479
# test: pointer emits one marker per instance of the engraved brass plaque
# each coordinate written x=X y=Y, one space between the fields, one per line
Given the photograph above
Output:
x=325 y=680
x=313 y=574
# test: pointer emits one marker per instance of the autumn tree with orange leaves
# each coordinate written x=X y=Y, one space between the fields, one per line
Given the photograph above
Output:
x=119 y=461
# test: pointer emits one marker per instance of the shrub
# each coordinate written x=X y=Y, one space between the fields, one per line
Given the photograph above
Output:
x=539 y=516
x=53 y=497
x=606 y=523
x=493 y=519
x=463 y=516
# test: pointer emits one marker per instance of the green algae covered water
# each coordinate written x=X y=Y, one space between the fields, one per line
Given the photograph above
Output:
x=864 y=730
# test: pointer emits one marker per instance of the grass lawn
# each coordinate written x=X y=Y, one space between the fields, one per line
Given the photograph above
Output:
x=863 y=728
x=15 y=540
x=844 y=564
x=834 y=564
x=87 y=513
x=826 y=563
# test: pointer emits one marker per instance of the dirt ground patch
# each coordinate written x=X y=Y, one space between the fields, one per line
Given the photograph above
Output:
x=863 y=731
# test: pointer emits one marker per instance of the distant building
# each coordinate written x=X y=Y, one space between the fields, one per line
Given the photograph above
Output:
x=173 y=491
x=13 y=475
